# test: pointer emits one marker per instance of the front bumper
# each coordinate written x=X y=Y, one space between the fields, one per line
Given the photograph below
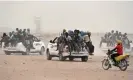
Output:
x=75 y=54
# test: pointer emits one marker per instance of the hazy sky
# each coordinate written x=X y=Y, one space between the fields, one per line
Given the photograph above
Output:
x=93 y=16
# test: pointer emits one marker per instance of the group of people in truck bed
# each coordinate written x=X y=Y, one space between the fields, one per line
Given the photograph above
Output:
x=76 y=40
x=111 y=37
x=17 y=36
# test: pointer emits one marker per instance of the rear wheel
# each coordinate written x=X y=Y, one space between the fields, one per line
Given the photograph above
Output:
x=27 y=52
x=7 y=53
x=105 y=64
x=42 y=51
x=49 y=57
x=84 y=59
x=123 y=65
x=71 y=58
x=61 y=58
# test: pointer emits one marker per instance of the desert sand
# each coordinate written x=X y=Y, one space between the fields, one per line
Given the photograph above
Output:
x=33 y=67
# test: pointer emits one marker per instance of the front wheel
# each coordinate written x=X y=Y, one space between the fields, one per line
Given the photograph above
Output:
x=123 y=65
x=105 y=64
x=42 y=51
x=84 y=59
x=49 y=57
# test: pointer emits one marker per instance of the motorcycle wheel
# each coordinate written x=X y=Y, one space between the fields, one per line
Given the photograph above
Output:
x=123 y=65
x=106 y=64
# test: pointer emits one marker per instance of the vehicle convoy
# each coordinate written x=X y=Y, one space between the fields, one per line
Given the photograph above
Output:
x=121 y=61
x=109 y=41
x=38 y=47
x=52 y=51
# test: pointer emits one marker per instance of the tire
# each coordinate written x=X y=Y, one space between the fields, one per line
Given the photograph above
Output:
x=24 y=53
x=132 y=49
x=71 y=58
x=61 y=58
x=42 y=51
x=7 y=53
x=106 y=63
x=123 y=65
x=49 y=57
x=100 y=45
x=27 y=52
x=84 y=59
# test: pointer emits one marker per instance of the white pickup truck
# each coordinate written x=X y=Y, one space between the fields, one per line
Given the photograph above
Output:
x=38 y=47
x=52 y=51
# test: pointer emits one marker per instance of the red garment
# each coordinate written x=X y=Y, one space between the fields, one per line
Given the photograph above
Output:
x=119 y=49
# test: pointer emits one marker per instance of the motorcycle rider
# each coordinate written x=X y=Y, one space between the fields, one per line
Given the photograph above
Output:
x=118 y=49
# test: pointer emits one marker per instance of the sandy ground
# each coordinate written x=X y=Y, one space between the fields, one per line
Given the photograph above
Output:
x=34 y=67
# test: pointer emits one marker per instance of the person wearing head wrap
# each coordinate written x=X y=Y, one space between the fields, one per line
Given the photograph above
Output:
x=88 y=42
x=118 y=49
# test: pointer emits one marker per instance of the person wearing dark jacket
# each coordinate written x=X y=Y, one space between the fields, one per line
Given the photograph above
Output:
x=5 y=38
x=88 y=42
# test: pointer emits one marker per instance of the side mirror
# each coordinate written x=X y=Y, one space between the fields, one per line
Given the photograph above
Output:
x=51 y=41
x=109 y=50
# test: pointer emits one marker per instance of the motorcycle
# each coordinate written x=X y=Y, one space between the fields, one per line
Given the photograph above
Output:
x=121 y=61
